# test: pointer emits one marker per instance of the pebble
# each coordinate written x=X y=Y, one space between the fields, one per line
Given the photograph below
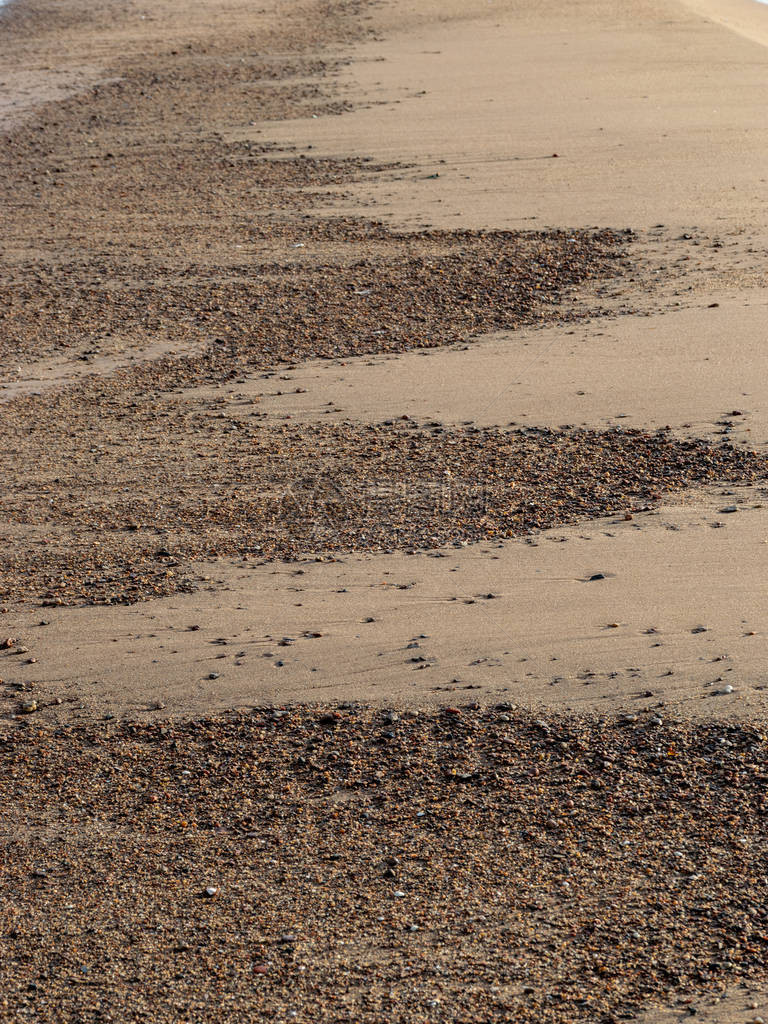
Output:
x=562 y=829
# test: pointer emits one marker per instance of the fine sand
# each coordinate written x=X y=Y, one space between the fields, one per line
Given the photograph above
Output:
x=558 y=114
x=521 y=623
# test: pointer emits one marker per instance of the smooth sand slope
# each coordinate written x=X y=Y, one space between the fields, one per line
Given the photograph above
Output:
x=652 y=109
x=522 y=623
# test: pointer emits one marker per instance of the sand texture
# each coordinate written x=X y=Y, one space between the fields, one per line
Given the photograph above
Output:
x=384 y=512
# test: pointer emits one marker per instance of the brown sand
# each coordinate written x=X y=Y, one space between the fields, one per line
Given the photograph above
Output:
x=746 y=1003
x=651 y=108
x=546 y=638
x=166 y=231
x=669 y=368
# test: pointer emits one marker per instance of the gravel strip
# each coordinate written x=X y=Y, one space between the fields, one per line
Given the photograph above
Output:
x=381 y=292
x=132 y=214
x=116 y=505
x=349 y=864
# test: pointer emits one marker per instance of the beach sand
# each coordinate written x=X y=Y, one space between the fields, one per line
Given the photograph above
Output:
x=331 y=260
x=645 y=110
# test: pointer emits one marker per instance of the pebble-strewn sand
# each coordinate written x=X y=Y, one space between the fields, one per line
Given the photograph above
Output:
x=348 y=865
x=213 y=217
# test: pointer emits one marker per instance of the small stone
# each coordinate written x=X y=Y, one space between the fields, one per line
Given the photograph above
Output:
x=213 y=675
x=729 y=508
x=5 y=645
x=28 y=706
x=210 y=891
x=724 y=690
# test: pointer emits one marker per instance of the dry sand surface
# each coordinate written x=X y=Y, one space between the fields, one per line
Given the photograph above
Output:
x=554 y=114
x=384 y=411
x=521 y=623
